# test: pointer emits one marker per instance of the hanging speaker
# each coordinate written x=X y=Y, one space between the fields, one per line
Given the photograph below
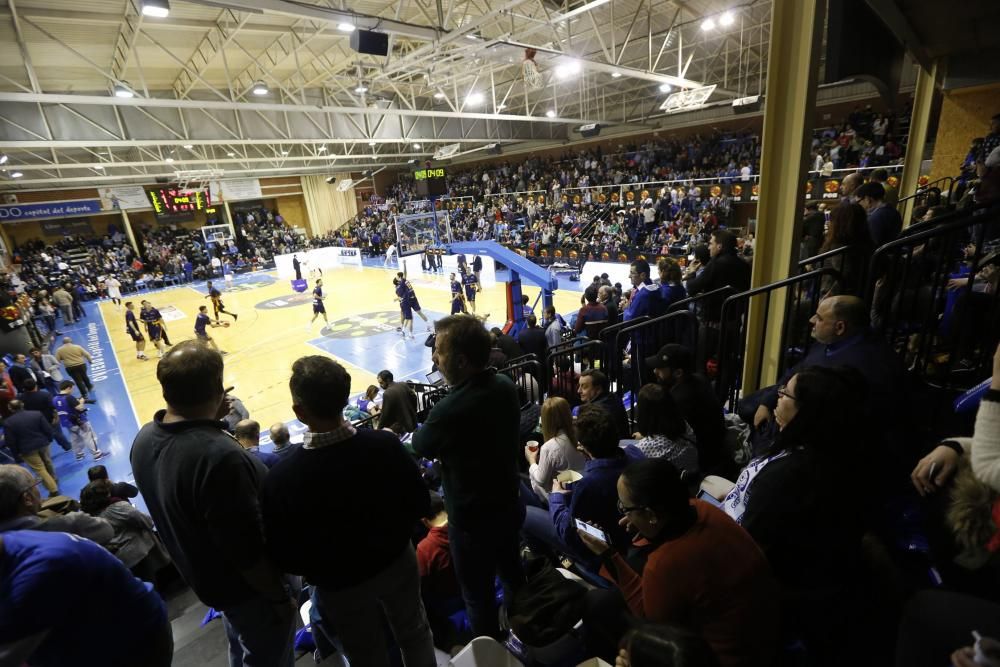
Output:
x=371 y=43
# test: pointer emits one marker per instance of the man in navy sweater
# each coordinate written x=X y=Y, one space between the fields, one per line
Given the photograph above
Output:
x=840 y=327
x=884 y=222
x=363 y=565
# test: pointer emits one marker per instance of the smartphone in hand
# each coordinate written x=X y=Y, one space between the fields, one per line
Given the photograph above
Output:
x=593 y=531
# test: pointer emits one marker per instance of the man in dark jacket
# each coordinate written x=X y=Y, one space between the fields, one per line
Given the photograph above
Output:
x=41 y=401
x=507 y=344
x=725 y=268
x=884 y=222
x=532 y=339
x=21 y=371
x=594 y=388
x=813 y=225
x=28 y=436
x=473 y=432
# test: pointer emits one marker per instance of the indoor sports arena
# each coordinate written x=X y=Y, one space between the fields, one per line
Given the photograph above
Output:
x=489 y=333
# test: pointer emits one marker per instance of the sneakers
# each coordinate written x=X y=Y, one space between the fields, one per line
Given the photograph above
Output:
x=98 y=455
x=79 y=457
x=89 y=400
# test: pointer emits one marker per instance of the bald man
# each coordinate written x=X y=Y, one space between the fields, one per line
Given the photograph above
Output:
x=283 y=445
x=247 y=433
x=850 y=183
x=840 y=328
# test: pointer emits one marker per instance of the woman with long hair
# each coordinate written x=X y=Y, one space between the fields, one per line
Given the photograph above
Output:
x=558 y=451
x=790 y=502
x=848 y=227
x=662 y=431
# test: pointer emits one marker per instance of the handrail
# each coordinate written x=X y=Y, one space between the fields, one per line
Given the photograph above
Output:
x=614 y=328
x=924 y=189
x=683 y=304
x=815 y=259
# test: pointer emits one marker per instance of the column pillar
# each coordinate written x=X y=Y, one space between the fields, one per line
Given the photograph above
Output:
x=793 y=61
x=923 y=98
x=127 y=224
x=229 y=218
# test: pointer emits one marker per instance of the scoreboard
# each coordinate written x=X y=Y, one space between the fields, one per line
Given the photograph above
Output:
x=430 y=182
x=169 y=201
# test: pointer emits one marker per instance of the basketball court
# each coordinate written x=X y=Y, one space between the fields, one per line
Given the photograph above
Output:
x=273 y=331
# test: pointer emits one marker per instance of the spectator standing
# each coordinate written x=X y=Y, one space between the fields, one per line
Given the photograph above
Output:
x=881 y=176
x=7 y=390
x=64 y=302
x=473 y=431
x=247 y=433
x=884 y=222
x=28 y=435
x=399 y=404
x=592 y=314
x=353 y=586
x=48 y=366
x=75 y=359
x=93 y=587
x=41 y=401
x=20 y=372
x=73 y=416
x=283 y=446
x=202 y=491
x=532 y=339
x=645 y=299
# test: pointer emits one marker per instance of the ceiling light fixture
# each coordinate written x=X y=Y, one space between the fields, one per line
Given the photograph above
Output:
x=345 y=27
x=98 y=167
x=259 y=88
x=372 y=143
x=284 y=152
x=550 y=113
x=3 y=159
x=189 y=146
x=159 y=9
x=474 y=99
x=439 y=95
x=665 y=87
x=123 y=91
x=16 y=174
x=321 y=149
x=230 y=154
x=568 y=69
x=501 y=107
x=416 y=146
x=708 y=24
x=169 y=159
x=616 y=75
x=727 y=19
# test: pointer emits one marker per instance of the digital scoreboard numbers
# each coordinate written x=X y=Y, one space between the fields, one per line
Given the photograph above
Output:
x=430 y=182
x=166 y=201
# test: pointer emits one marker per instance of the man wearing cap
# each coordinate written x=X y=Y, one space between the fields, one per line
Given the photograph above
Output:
x=884 y=222
x=673 y=367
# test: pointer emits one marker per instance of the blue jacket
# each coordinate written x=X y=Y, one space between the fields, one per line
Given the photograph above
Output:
x=594 y=499
x=884 y=224
x=645 y=301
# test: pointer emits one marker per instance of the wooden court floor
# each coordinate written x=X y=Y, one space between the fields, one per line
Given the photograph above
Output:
x=274 y=330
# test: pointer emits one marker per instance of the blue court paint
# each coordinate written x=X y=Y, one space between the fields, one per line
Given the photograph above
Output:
x=112 y=417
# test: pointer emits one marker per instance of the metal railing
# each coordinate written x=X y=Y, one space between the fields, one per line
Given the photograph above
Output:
x=935 y=299
x=804 y=293
x=849 y=261
x=925 y=191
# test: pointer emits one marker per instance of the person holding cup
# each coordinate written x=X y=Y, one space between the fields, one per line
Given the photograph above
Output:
x=559 y=452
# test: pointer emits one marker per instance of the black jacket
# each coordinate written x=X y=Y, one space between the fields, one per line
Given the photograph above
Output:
x=27 y=431
x=509 y=347
x=726 y=268
x=18 y=374
x=40 y=401
x=532 y=341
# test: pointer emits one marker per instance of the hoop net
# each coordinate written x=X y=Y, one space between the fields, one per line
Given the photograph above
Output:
x=530 y=72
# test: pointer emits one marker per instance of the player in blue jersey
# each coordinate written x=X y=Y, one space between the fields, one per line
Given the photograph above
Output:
x=457 y=300
x=201 y=323
x=133 y=330
x=154 y=325
x=411 y=297
x=73 y=418
x=471 y=286
x=405 y=312
x=318 y=307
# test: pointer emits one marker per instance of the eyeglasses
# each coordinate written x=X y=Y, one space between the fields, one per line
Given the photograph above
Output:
x=783 y=391
x=625 y=510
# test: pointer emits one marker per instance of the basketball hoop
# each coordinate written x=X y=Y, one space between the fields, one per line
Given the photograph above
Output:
x=530 y=72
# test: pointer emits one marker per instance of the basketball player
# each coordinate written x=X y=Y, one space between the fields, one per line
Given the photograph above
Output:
x=411 y=295
x=114 y=288
x=133 y=330
x=469 y=280
x=152 y=318
x=477 y=268
x=405 y=312
x=457 y=300
x=318 y=307
x=217 y=304
x=201 y=322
